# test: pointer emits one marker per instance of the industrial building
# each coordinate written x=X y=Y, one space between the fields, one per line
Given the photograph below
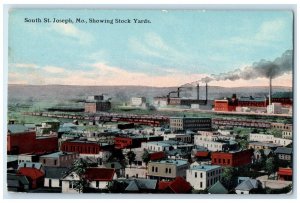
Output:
x=96 y=103
x=190 y=123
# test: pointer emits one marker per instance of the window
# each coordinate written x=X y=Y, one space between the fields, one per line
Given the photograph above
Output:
x=166 y=170
x=70 y=184
x=156 y=169
x=60 y=183
x=195 y=174
x=97 y=183
x=169 y=170
x=152 y=168
x=55 y=162
x=44 y=161
x=201 y=185
x=200 y=175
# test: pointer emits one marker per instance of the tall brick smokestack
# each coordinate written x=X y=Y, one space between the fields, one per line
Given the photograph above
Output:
x=270 y=91
x=198 y=89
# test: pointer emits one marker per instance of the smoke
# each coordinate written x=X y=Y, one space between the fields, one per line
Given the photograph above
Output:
x=261 y=69
x=206 y=79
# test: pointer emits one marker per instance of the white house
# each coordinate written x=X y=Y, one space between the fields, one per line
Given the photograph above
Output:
x=203 y=176
x=137 y=101
x=246 y=186
x=282 y=141
x=98 y=178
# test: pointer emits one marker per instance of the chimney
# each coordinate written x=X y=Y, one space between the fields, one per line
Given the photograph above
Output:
x=270 y=91
x=206 y=93
x=198 y=89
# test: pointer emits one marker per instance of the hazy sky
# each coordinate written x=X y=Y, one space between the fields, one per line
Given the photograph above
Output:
x=175 y=48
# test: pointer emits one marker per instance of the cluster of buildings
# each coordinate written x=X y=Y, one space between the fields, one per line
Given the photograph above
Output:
x=280 y=102
x=188 y=155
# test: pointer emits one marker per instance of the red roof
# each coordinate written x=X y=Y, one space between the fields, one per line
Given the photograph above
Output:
x=179 y=185
x=157 y=155
x=32 y=173
x=101 y=174
x=285 y=171
x=202 y=154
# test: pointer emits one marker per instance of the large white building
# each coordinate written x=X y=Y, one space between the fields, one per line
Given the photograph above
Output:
x=203 y=176
x=274 y=108
x=261 y=137
x=209 y=141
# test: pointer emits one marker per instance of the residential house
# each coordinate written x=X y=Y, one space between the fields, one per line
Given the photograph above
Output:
x=53 y=176
x=284 y=153
x=178 y=186
x=167 y=169
x=247 y=186
x=98 y=179
x=203 y=176
x=35 y=176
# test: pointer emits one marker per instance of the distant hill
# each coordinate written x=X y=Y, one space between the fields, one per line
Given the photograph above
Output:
x=66 y=93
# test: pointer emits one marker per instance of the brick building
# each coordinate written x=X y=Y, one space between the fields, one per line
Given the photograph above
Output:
x=21 y=140
x=124 y=142
x=234 y=159
x=83 y=147
x=59 y=159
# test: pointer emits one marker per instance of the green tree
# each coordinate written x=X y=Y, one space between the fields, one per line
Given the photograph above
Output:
x=270 y=166
x=146 y=157
x=78 y=168
x=228 y=177
x=131 y=157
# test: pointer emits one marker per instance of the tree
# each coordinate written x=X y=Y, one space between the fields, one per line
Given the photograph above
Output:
x=270 y=166
x=131 y=157
x=78 y=168
x=146 y=157
x=228 y=177
x=117 y=186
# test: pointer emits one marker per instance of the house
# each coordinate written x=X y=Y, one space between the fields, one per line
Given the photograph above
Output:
x=258 y=153
x=178 y=186
x=36 y=165
x=167 y=169
x=53 y=176
x=141 y=185
x=17 y=183
x=97 y=178
x=119 y=169
x=203 y=176
x=247 y=186
x=35 y=176
x=217 y=188
x=59 y=159
x=262 y=145
x=284 y=153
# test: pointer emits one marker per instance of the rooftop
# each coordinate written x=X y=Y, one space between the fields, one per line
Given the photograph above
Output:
x=205 y=167
x=171 y=161
x=55 y=172
x=283 y=150
x=56 y=154
x=16 y=128
x=263 y=144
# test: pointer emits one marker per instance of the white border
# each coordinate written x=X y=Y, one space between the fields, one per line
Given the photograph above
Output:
x=154 y=4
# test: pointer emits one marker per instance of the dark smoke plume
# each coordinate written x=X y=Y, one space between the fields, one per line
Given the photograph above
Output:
x=261 y=69
x=206 y=79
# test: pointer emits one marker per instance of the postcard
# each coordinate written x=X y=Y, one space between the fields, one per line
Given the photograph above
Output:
x=150 y=101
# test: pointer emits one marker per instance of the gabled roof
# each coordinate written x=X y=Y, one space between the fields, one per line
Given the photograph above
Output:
x=141 y=184
x=55 y=172
x=100 y=174
x=31 y=173
x=283 y=150
x=16 y=128
x=247 y=185
x=179 y=185
x=217 y=188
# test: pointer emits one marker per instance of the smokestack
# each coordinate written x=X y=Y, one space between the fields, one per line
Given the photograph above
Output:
x=198 y=89
x=270 y=91
x=206 y=93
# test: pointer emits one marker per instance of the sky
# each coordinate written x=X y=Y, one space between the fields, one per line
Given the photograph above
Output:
x=177 y=47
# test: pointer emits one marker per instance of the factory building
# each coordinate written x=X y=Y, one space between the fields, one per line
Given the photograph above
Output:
x=190 y=123
x=96 y=103
x=137 y=101
x=227 y=104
